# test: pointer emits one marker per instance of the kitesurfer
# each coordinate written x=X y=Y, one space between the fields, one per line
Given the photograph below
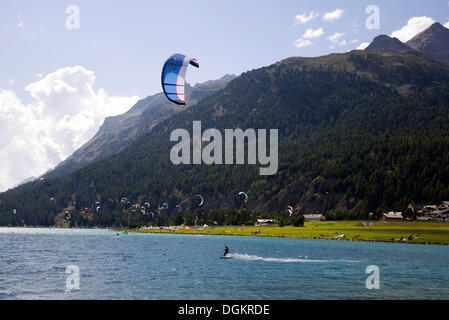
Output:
x=226 y=251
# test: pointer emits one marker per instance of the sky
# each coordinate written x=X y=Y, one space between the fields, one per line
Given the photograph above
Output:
x=67 y=65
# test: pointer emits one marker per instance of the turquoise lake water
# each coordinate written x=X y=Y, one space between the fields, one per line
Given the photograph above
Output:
x=159 y=266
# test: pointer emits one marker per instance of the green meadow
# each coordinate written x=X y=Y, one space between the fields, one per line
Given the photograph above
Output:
x=421 y=232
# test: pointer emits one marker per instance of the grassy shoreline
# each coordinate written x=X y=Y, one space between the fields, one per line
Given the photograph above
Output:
x=398 y=232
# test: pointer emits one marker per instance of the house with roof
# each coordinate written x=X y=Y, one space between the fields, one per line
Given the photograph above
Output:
x=392 y=216
x=265 y=222
x=439 y=213
x=314 y=217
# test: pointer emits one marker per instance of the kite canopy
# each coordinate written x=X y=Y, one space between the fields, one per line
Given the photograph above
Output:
x=173 y=77
x=46 y=181
x=202 y=200
x=246 y=196
x=164 y=206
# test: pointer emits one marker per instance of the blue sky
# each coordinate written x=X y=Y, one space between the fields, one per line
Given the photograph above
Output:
x=58 y=85
x=126 y=42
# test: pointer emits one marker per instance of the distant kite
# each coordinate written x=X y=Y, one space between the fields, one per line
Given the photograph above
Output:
x=202 y=200
x=244 y=194
x=46 y=181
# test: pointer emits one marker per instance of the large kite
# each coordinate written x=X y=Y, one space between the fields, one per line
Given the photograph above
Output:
x=173 y=77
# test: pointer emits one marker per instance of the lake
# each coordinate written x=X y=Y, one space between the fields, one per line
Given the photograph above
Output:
x=168 y=266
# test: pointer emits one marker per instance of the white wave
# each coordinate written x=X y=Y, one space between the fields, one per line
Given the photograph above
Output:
x=247 y=257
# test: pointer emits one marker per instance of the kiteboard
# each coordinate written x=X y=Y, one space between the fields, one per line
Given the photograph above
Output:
x=224 y=257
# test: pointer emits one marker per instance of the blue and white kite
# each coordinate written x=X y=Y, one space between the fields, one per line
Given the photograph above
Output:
x=173 y=77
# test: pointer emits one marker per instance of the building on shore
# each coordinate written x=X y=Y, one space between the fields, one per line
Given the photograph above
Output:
x=431 y=212
x=313 y=217
x=392 y=216
x=265 y=222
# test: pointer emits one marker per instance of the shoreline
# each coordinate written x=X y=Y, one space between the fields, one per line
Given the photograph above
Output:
x=425 y=233
x=286 y=237
x=276 y=232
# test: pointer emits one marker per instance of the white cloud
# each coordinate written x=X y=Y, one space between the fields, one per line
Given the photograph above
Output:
x=363 y=46
x=12 y=82
x=354 y=41
x=336 y=36
x=301 y=43
x=446 y=25
x=20 y=24
x=310 y=33
x=414 y=26
x=334 y=15
x=304 y=18
x=66 y=113
x=335 y=39
x=39 y=75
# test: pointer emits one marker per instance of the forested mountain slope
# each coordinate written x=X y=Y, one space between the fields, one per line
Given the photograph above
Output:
x=358 y=132
x=120 y=131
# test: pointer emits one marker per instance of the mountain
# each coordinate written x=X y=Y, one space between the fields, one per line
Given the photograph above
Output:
x=433 y=41
x=384 y=42
x=360 y=132
x=120 y=131
x=30 y=179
